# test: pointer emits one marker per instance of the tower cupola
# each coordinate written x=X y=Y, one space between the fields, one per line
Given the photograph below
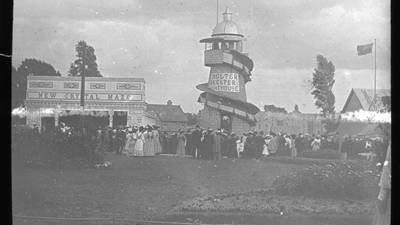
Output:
x=227 y=26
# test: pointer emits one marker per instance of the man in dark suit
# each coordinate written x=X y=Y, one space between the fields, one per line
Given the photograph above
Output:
x=217 y=144
x=196 y=139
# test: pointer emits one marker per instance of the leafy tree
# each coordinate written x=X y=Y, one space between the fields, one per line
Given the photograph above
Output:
x=323 y=80
x=330 y=125
x=19 y=78
x=85 y=57
x=192 y=119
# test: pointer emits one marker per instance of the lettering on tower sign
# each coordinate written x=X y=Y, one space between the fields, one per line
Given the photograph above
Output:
x=227 y=82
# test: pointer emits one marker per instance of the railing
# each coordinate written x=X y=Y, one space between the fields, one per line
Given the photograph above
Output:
x=230 y=57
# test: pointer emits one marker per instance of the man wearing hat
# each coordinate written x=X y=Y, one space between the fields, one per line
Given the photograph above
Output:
x=208 y=144
x=217 y=142
x=196 y=139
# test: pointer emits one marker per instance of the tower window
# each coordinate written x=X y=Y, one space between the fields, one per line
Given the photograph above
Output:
x=215 y=45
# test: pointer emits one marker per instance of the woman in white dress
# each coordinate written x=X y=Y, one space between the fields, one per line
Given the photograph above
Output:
x=148 y=146
x=266 y=142
x=181 y=144
x=239 y=146
x=139 y=143
x=130 y=143
x=156 y=140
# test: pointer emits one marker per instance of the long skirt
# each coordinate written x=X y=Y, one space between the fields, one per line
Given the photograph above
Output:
x=180 y=148
x=148 y=148
x=157 y=145
x=130 y=147
x=138 y=148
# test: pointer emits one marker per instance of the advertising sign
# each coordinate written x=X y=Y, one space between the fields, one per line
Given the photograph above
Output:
x=227 y=82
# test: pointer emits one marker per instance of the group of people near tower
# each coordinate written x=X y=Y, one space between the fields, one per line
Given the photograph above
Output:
x=130 y=140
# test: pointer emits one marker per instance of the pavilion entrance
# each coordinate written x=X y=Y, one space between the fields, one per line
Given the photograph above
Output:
x=120 y=118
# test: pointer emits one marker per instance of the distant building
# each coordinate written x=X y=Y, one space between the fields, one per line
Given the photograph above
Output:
x=109 y=101
x=169 y=117
x=113 y=101
x=362 y=99
x=289 y=123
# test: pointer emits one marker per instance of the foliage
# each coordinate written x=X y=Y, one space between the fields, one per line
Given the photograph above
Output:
x=85 y=57
x=19 y=78
x=273 y=108
x=340 y=180
x=322 y=154
x=192 y=119
x=50 y=149
x=330 y=125
x=323 y=81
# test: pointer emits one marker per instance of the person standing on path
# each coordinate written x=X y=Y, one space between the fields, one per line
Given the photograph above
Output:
x=148 y=147
x=156 y=140
x=180 y=151
x=196 y=138
x=217 y=142
x=139 y=142
x=130 y=142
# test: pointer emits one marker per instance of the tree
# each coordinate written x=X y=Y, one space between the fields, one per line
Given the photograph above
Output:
x=19 y=78
x=85 y=57
x=192 y=119
x=323 y=81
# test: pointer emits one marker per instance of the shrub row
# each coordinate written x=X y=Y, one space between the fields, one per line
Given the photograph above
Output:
x=339 y=180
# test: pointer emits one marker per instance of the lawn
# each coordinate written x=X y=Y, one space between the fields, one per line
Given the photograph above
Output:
x=136 y=188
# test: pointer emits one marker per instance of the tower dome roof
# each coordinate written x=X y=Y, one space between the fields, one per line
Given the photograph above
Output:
x=227 y=26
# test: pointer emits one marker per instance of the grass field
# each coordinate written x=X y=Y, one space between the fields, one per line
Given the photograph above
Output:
x=140 y=188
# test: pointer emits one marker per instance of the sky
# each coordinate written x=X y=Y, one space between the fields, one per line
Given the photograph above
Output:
x=158 y=40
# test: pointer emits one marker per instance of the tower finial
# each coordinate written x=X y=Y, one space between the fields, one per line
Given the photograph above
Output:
x=227 y=14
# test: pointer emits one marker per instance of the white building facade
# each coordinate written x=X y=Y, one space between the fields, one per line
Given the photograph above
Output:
x=55 y=97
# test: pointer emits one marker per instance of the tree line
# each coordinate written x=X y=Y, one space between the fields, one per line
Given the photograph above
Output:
x=85 y=62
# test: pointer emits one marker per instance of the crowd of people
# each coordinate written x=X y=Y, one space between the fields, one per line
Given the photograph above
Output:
x=200 y=143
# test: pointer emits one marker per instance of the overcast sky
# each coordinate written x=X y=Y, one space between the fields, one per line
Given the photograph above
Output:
x=159 y=41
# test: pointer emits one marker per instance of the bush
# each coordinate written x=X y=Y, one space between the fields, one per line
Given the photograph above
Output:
x=50 y=149
x=322 y=154
x=341 y=180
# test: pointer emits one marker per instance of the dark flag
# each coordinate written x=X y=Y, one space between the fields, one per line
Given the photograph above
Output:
x=364 y=49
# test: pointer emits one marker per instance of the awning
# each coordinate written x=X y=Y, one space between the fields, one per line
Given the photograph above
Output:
x=246 y=105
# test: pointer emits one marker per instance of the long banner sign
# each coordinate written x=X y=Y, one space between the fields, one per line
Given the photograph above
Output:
x=89 y=96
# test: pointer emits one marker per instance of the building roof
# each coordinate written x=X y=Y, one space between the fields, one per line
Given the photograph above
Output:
x=168 y=112
x=70 y=78
x=227 y=26
x=366 y=96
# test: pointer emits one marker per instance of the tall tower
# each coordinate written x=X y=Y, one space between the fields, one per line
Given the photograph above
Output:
x=224 y=96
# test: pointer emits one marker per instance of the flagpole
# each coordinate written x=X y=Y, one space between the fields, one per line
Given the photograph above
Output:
x=375 y=70
x=217 y=10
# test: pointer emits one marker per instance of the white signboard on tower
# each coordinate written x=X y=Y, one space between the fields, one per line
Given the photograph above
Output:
x=226 y=82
